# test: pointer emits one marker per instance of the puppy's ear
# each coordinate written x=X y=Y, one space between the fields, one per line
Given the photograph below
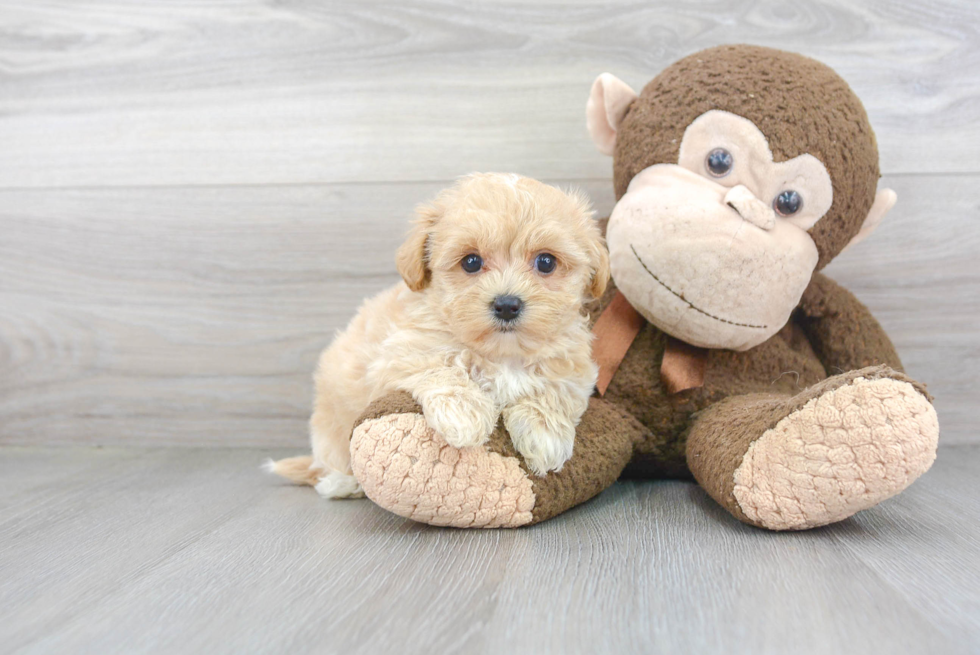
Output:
x=594 y=232
x=600 y=268
x=412 y=256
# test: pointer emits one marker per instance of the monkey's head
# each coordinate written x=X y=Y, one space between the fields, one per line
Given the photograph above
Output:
x=739 y=171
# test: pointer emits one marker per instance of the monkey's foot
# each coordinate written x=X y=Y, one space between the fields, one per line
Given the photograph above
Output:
x=841 y=452
x=407 y=468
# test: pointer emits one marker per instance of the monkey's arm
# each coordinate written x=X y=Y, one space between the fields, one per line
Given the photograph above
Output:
x=841 y=330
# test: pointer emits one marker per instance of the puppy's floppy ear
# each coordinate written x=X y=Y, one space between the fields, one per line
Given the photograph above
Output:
x=412 y=256
x=600 y=267
x=594 y=232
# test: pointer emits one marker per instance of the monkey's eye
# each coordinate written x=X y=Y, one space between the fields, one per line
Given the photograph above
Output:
x=788 y=203
x=719 y=162
x=471 y=263
x=545 y=263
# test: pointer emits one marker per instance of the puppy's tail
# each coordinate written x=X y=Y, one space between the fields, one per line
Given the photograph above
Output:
x=296 y=469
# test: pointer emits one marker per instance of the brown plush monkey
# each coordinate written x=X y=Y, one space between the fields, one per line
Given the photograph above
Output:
x=739 y=172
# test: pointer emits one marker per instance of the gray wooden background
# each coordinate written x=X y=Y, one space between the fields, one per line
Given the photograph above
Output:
x=195 y=195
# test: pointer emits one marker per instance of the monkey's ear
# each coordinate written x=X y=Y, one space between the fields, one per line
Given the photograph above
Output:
x=884 y=201
x=607 y=105
x=412 y=256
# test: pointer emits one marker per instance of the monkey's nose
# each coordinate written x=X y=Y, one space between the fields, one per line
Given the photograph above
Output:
x=507 y=308
x=750 y=208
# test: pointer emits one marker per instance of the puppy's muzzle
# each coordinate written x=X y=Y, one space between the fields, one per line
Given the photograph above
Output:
x=507 y=308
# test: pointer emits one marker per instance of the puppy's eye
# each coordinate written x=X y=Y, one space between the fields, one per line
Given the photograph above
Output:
x=471 y=263
x=545 y=262
x=788 y=203
x=719 y=162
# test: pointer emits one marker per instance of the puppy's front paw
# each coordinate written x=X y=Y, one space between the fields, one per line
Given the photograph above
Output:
x=464 y=418
x=545 y=445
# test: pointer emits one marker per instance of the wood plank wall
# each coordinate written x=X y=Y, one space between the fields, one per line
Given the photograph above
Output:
x=194 y=196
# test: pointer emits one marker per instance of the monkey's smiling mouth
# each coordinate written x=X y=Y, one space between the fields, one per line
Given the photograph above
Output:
x=688 y=302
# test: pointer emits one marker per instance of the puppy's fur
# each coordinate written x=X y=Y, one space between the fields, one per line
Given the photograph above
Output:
x=436 y=334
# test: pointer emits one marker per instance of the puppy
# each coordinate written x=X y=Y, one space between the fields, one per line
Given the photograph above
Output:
x=488 y=322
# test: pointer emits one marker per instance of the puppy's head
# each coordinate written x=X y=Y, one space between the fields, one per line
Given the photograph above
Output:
x=506 y=260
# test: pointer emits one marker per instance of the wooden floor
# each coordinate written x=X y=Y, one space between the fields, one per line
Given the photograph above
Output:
x=135 y=550
x=194 y=196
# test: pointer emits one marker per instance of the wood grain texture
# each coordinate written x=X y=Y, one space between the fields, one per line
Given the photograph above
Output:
x=189 y=550
x=101 y=93
x=168 y=275
x=183 y=316
x=194 y=316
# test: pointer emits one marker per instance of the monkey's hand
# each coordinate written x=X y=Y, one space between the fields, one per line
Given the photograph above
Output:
x=843 y=333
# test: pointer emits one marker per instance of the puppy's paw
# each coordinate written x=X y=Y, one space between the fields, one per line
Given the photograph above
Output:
x=339 y=485
x=464 y=418
x=545 y=444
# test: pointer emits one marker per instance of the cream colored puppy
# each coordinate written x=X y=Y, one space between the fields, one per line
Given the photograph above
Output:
x=488 y=322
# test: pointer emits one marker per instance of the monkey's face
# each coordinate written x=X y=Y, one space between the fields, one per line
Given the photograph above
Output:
x=739 y=171
x=714 y=250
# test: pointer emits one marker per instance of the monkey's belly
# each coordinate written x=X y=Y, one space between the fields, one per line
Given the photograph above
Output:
x=783 y=365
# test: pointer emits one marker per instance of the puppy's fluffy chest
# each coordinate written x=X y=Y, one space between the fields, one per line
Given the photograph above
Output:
x=509 y=380
x=505 y=381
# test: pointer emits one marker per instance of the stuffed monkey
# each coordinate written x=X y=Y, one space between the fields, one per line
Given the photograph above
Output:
x=724 y=354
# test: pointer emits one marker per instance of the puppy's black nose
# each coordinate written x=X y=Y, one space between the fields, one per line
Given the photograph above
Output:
x=507 y=308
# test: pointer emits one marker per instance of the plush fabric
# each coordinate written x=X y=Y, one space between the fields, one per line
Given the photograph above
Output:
x=403 y=465
x=698 y=269
x=809 y=426
x=718 y=128
x=614 y=333
x=805 y=434
x=799 y=104
x=845 y=450
x=843 y=333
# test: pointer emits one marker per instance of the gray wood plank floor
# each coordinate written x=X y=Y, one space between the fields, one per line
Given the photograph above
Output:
x=195 y=551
